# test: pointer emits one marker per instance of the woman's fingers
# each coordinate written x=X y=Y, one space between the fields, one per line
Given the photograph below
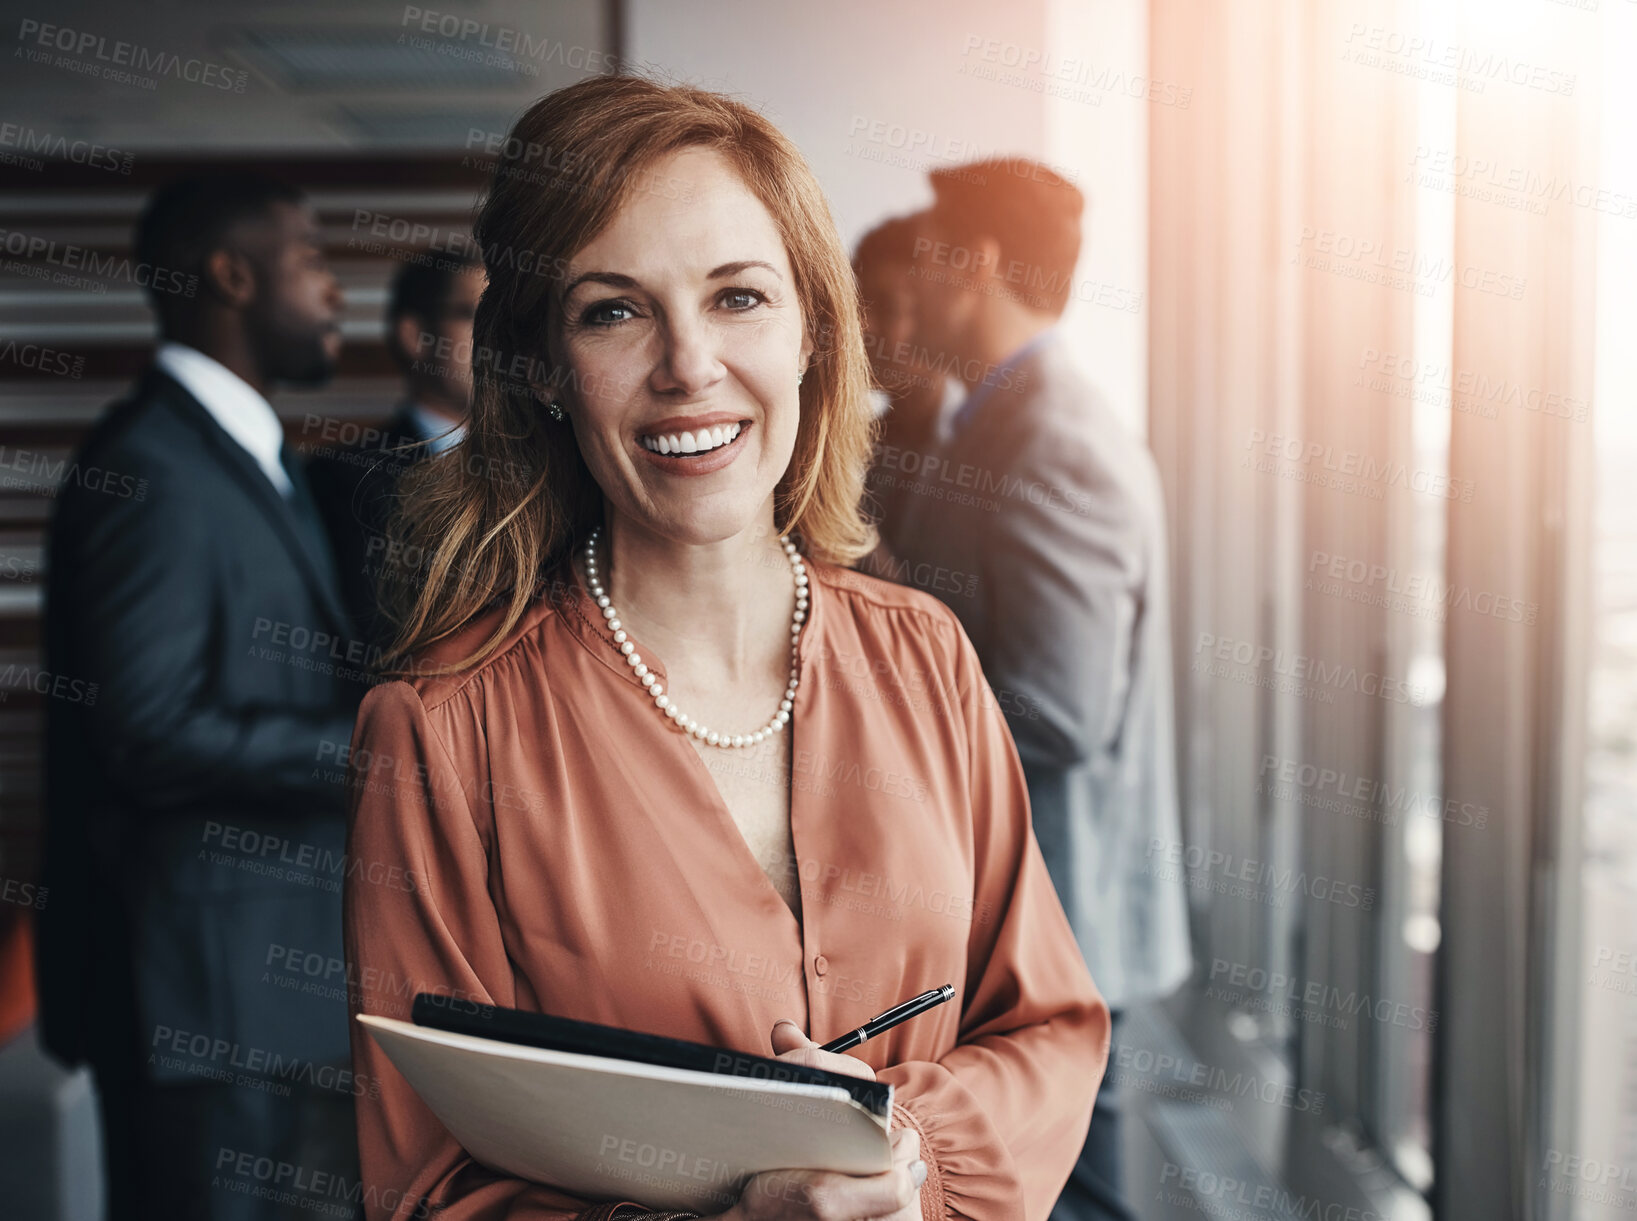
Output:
x=787 y=1036
x=801 y=1195
x=789 y=1043
x=819 y=1193
x=906 y=1144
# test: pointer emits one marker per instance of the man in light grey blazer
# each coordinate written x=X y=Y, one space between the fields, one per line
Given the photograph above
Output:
x=1039 y=520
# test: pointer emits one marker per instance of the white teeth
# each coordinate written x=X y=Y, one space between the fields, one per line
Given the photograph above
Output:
x=692 y=442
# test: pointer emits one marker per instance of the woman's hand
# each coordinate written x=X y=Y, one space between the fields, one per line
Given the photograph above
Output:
x=810 y=1195
x=789 y=1043
x=821 y=1195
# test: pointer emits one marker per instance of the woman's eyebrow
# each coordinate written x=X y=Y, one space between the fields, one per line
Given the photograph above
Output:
x=615 y=279
x=612 y=278
x=733 y=269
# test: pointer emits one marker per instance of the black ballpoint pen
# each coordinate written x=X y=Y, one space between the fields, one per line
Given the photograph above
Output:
x=891 y=1018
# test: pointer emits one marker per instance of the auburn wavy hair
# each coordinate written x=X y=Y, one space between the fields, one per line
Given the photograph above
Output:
x=480 y=525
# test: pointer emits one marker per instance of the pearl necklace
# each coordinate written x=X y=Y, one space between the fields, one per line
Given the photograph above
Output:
x=780 y=719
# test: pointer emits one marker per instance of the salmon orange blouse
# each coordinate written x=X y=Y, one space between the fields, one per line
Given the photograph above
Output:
x=532 y=832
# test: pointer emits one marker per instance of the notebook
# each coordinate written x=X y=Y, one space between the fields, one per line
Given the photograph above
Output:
x=605 y=1113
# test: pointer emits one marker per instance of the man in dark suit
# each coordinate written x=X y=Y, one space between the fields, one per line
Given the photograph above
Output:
x=195 y=838
x=429 y=333
x=1039 y=519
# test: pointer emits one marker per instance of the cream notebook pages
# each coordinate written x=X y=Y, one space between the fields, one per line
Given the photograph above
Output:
x=604 y=1127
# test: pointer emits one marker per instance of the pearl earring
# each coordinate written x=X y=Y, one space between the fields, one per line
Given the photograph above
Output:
x=557 y=412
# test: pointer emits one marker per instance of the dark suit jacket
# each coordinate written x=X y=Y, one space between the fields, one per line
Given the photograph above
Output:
x=354 y=487
x=195 y=842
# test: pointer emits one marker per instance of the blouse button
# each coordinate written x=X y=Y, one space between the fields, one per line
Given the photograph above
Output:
x=821 y=964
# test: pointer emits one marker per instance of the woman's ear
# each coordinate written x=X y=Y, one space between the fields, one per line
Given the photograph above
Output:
x=806 y=357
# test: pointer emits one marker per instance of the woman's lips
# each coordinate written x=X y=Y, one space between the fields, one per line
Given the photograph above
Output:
x=698 y=464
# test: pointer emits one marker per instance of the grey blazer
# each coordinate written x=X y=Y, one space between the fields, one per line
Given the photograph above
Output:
x=1040 y=522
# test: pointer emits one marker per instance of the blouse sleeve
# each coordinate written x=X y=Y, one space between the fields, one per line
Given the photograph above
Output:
x=1003 y=1116
x=418 y=917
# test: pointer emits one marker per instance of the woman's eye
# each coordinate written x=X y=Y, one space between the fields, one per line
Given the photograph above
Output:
x=606 y=313
x=741 y=299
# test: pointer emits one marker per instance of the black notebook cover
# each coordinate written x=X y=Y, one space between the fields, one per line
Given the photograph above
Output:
x=590 y=1039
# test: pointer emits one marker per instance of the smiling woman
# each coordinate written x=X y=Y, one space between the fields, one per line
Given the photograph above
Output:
x=578 y=314
x=631 y=757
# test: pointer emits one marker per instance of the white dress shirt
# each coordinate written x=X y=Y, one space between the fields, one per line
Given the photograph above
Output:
x=243 y=414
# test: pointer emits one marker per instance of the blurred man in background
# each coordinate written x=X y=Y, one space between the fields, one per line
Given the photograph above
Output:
x=194 y=836
x=429 y=333
x=912 y=393
x=1041 y=524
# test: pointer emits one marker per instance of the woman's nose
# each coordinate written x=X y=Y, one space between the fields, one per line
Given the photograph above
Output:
x=689 y=362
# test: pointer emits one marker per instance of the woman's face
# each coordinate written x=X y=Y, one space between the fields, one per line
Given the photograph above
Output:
x=682 y=337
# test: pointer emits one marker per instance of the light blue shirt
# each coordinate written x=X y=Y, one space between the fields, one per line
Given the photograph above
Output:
x=438 y=433
x=968 y=407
